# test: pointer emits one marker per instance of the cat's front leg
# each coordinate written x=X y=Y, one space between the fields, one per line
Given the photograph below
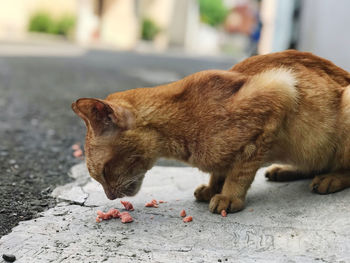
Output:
x=204 y=193
x=235 y=187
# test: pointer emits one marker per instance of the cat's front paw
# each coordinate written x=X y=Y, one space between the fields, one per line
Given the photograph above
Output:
x=202 y=193
x=274 y=172
x=326 y=184
x=221 y=202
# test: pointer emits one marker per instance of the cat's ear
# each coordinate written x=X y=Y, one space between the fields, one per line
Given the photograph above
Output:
x=101 y=116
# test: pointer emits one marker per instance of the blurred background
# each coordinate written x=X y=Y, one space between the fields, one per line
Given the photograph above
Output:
x=236 y=28
x=54 y=52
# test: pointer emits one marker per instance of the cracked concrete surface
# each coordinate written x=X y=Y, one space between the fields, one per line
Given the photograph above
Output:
x=283 y=222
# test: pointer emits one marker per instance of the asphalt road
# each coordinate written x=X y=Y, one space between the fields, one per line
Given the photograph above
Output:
x=38 y=127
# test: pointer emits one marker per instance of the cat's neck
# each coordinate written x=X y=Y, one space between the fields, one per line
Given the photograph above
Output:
x=167 y=118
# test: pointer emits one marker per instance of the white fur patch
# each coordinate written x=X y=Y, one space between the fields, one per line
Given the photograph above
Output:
x=279 y=75
x=345 y=104
x=280 y=81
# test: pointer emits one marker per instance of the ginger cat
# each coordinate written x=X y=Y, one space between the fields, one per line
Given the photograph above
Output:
x=290 y=107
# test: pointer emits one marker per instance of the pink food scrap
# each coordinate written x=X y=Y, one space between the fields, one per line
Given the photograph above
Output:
x=125 y=217
x=187 y=219
x=223 y=213
x=75 y=147
x=128 y=206
x=153 y=203
x=183 y=213
x=112 y=213
x=77 y=151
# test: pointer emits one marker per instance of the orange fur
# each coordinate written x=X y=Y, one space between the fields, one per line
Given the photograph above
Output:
x=289 y=107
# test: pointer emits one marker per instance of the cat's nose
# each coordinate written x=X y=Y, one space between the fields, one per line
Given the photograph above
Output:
x=111 y=194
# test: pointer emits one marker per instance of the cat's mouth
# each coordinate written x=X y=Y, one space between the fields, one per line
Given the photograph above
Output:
x=111 y=195
x=131 y=190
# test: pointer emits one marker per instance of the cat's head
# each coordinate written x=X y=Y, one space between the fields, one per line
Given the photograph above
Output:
x=117 y=153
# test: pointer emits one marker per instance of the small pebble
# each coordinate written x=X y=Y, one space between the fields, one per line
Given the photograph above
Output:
x=34 y=122
x=50 y=132
x=9 y=257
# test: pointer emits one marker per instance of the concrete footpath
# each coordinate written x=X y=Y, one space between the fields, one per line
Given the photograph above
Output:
x=283 y=222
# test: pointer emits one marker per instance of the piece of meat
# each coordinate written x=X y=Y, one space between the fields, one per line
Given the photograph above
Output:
x=78 y=153
x=106 y=216
x=161 y=201
x=116 y=213
x=187 y=219
x=102 y=216
x=100 y=213
x=112 y=213
x=128 y=206
x=125 y=217
x=151 y=204
x=75 y=147
x=183 y=213
x=154 y=201
x=223 y=213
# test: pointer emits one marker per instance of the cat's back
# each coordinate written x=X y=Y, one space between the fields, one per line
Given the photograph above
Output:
x=301 y=62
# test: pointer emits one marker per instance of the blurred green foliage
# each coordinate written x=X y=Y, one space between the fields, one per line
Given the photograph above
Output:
x=149 y=29
x=64 y=25
x=212 y=12
x=42 y=22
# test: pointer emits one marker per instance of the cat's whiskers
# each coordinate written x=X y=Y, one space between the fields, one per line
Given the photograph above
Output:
x=129 y=182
